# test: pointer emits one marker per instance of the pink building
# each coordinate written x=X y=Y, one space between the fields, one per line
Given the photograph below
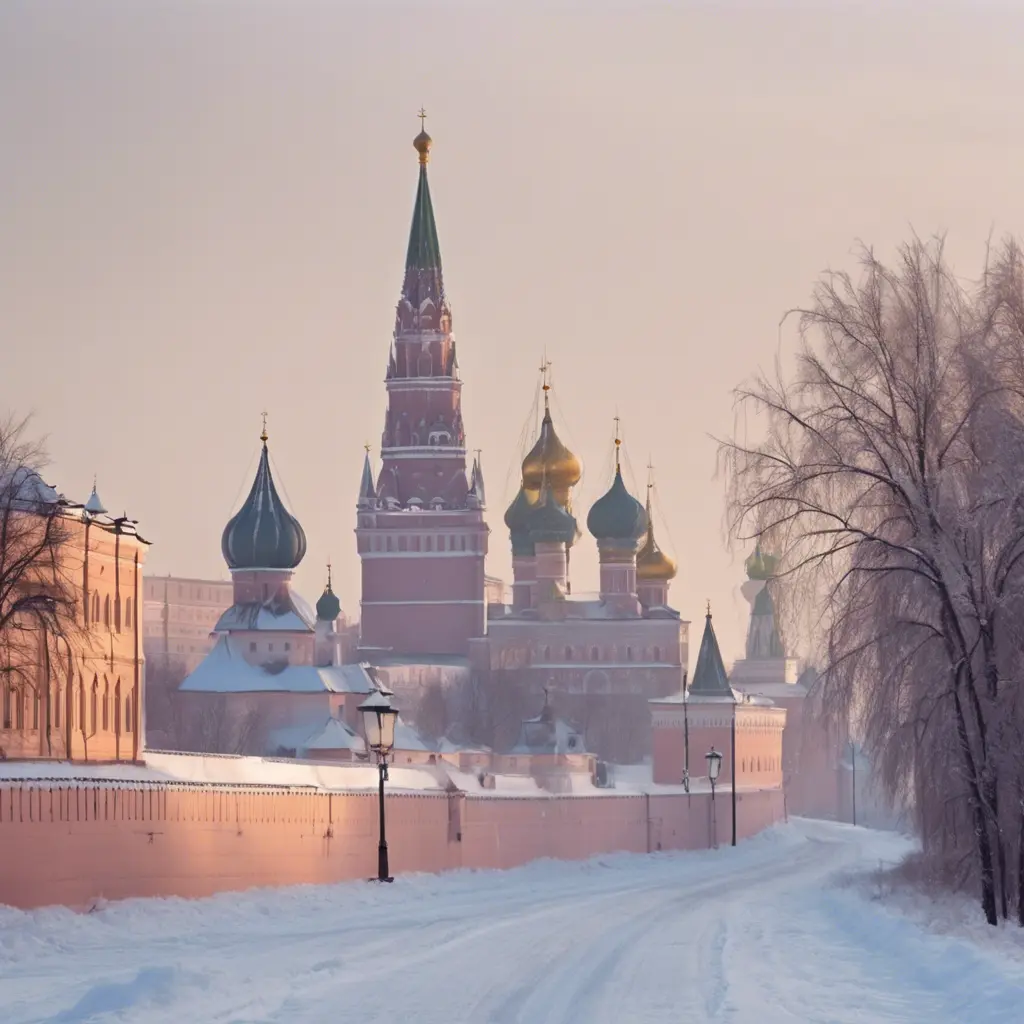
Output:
x=618 y=648
x=180 y=613
x=815 y=753
x=710 y=714
x=420 y=530
x=275 y=680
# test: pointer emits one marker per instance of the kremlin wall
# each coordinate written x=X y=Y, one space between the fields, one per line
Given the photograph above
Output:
x=270 y=785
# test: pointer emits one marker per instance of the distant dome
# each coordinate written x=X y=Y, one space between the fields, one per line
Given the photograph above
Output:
x=761 y=566
x=617 y=515
x=549 y=522
x=263 y=534
x=517 y=519
x=328 y=607
x=550 y=462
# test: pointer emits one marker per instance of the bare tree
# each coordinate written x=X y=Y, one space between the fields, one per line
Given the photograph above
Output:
x=888 y=478
x=40 y=622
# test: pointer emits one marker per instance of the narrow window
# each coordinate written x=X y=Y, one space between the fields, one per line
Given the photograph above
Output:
x=35 y=698
x=657 y=654
x=252 y=646
x=428 y=543
x=94 y=705
x=81 y=704
x=547 y=653
x=106 y=610
x=594 y=655
x=7 y=705
x=128 y=714
x=106 y=706
x=19 y=709
x=128 y=613
x=287 y=646
x=629 y=654
x=57 y=706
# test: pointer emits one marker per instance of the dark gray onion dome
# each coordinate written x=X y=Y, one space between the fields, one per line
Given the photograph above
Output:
x=517 y=519
x=549 y=522
x=617 y=515
x=263 y=534
x=328 y=607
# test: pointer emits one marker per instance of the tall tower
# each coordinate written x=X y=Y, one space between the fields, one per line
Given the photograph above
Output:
x=420 y=530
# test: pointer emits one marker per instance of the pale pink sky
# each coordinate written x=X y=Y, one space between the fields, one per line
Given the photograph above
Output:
x=204 y=208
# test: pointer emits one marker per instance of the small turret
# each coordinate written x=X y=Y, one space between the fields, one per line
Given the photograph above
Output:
x=709 y=677
x=94 y=506
x=328 y=607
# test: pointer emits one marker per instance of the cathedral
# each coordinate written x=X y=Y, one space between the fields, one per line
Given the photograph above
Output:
x=293 y=675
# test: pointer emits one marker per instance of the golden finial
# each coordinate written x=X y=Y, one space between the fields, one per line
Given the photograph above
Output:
x=545 y=386
x=709 y=607
x=366 y=448
x=263 y=436
x=618 y=441
x=328 y=574
x=423 y=141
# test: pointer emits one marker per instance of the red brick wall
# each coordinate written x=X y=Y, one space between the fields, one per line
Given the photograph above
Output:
x=71 y=844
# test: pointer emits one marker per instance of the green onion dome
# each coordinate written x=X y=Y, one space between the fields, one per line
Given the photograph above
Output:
x=263 y=534
x=617 y=516
x=549 y=522
x=517 y=519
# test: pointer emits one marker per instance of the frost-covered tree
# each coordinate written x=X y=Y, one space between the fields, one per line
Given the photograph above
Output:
x=40 y=619
x=888 y=477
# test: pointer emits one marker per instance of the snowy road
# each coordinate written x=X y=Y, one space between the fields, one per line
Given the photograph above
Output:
x=757 y=934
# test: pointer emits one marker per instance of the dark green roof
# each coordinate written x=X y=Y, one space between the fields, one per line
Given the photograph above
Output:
x=517 y=519
x=617 y=515
x=263 y=534
x=709 y=677
x=549 y=522
x=424 y=252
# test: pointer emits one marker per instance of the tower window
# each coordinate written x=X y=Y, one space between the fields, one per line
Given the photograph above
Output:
x=629 y=654
x=657 y=654
x=568 y=654
x=252 y=646
x=428 y=543
x=547 y=653
x=594 y=654
x=128 y=613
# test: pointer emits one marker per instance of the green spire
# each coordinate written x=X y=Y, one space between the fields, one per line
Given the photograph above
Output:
x=424 y=252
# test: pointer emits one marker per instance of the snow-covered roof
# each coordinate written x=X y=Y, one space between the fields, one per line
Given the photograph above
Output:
x=335 y=735
x=225 y=670
x=292 y=616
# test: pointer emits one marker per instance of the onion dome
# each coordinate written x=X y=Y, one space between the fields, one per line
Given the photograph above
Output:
x=617 y=516
x=263 y=534
x=328 y=607
x=517 y=519
x=761 y=566
x=550 y=462
x=652 y=564
x=549 y=522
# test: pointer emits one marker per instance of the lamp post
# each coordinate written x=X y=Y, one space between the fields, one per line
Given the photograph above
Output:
x=714 y=759
x=379 y=728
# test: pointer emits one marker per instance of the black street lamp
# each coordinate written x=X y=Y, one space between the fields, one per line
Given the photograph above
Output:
x=714 y=759
x=379 y=728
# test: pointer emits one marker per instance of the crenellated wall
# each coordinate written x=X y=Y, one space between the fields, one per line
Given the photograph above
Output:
x=76 y=842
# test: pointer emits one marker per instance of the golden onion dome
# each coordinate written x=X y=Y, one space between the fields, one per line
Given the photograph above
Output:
x=652 y=564
x=550 y=463
x=422 y=144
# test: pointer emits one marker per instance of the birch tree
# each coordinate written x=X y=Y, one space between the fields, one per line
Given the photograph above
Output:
x=888 y=478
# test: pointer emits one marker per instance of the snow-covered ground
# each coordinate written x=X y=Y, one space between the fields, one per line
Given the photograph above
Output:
x=759 y=934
